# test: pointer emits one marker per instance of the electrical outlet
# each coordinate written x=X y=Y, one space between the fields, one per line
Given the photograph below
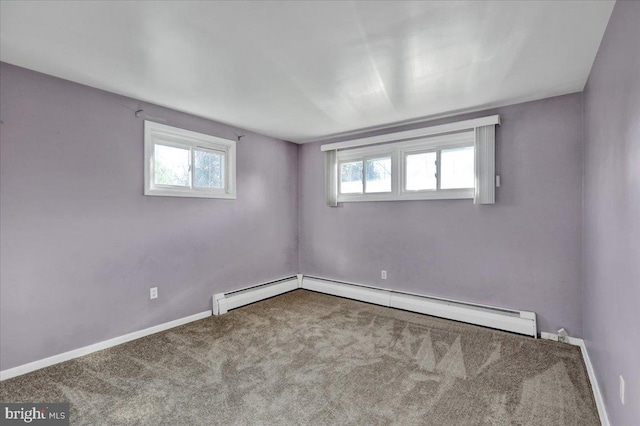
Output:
x=622 y=389
x=383 y=275
x=153 y=293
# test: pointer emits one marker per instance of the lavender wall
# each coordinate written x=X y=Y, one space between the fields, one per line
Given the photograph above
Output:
x=81 y=245
x=611 y=303
x=523 y=252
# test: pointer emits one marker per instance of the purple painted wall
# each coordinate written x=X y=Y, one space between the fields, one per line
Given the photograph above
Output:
x=523 y=252
x=81 y=245
x=611 y=303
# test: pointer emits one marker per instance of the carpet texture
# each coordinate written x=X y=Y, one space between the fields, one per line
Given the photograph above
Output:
x=308 y=358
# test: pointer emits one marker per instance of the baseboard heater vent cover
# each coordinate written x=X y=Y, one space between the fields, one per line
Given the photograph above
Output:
x=224 y=302
x=521 y=322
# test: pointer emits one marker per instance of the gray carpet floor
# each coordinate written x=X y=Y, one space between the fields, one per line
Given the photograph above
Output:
x=307 y=358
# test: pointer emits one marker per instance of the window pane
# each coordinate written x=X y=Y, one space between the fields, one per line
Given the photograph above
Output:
x=457 y=169
x=208 y=169
x=351 y=177
x=421 y=171
x=171 y=166
x=379 y=174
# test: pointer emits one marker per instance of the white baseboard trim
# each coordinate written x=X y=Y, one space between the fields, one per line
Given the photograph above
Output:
x=522 y=322
x=76 y=353
x=224 y=302
x=575 y=341
x=602 y=409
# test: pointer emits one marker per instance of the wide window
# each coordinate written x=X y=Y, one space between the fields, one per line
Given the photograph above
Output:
x=182 y=163
x=437 y=167
x=446 y=161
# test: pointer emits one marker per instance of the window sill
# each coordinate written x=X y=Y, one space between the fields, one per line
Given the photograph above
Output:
x=189 y=193
x=443 y=194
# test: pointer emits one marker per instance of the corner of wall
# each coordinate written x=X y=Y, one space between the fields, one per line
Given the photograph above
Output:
x=581 y=236
x=298 y=204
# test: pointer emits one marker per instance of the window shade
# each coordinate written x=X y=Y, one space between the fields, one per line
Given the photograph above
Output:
x=485 y=144
x=331 y=177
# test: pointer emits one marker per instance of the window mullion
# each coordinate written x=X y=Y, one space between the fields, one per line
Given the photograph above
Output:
x=364 y=176
x=438 y=171
x=192 y=169
x=225 y=174
x=397 y=171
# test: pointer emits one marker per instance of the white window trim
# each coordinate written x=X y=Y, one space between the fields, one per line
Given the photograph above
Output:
x=156 y=133
x=398 y=151
x=348 y=156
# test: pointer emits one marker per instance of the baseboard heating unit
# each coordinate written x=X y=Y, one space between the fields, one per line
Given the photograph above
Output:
x=521 y=322
x=224 y=302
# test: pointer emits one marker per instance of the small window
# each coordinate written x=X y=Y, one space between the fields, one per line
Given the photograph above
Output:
x=182 y=163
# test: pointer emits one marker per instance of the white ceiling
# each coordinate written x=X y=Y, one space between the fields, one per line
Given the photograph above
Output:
x=303 y=71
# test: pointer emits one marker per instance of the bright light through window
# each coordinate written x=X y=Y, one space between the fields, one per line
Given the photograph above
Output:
x=351 y=177
x=209 y=169
x=171 y=166
x=457 y=169
x=421 y=171
x=378 y=175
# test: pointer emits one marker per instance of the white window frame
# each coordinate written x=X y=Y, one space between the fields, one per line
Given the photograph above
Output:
x=161 y=134
x=398 y=152
x=364 y=154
